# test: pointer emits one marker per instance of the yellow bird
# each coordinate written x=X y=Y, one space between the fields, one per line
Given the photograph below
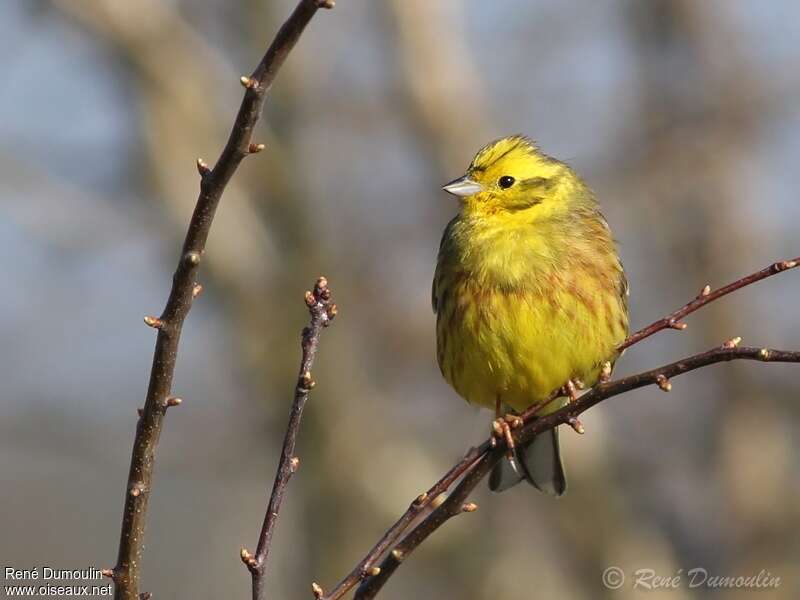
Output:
x=529 y=294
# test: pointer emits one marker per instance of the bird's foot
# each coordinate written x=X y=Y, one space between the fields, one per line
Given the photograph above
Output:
x=605 y=372
x=570 y=389
x=502 y=428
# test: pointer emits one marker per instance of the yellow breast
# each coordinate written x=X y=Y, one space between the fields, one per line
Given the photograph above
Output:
x=518 y=315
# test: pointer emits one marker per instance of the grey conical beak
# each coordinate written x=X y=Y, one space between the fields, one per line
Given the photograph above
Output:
x=463 y=186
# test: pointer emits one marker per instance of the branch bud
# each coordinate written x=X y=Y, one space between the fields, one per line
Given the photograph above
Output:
x=763 y=354
x=153 y=322
x=248 y=83
x=202 y=167
x=333 y=310
x=316 y=589
x=398 y=555
x=325 y=3
x=732 y=343
x=294 y=464
x=705 y=291
x=575 y=423
x=173 y=401
x=255 y=148
x=306 y=382
x=663 y=382
x=321 y=290
x=107 y=573
x=373 y=571
x=197 y=290
x=247 y=558
x=673 y=324
x=469 y=507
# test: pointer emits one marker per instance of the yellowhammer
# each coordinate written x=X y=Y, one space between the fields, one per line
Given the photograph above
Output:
x=529 y=293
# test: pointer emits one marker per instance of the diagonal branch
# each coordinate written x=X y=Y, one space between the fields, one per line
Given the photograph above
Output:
x=455 y=502
x=479 y=460
x=706 y=295
x=184 y=289
x=367 y=566
x=322 y=312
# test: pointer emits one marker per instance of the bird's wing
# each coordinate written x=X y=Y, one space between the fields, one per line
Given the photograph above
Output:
x=442 y=244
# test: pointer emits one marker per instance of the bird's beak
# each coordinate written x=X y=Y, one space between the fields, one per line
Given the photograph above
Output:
x=463 y=186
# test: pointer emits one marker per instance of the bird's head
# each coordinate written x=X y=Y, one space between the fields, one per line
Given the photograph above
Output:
x=510 y=176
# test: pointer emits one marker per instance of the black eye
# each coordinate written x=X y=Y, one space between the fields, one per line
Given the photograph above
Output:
x=506 y=181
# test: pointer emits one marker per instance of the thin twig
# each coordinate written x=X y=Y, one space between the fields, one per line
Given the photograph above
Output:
x=322 y=312
x=417 y=506
x=454 y=504
x=706 y=295
x=213 y=181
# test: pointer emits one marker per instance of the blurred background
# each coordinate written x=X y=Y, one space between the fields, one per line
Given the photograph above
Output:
x=683 y=116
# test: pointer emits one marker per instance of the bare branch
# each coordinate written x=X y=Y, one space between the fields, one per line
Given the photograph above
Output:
x=322 y=312
x=454 y=504
x=170 y=323
x=417 y=506
x=706 y=295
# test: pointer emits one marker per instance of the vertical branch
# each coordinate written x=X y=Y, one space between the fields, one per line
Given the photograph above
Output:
x=184 y=289
x=322 y=311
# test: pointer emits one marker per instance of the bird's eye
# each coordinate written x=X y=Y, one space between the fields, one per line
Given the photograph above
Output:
x=506 y=181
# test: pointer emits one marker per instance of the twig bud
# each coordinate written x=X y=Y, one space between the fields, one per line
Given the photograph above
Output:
x=306 y=381
x=705 y=291
x=373 y=571
x=325 y=3
x=421 y=498
x=576 y=424
x=763 y=354
x=197 y=289
x=107 y=573
x=247 y=558
x=136 y=490
x=202 y=167
x=310 y=299
x=469 y=507
x=316 y=589
x=247 y=82
x=321 y=290
x=294 y=464
x=398 y=555
x=437 y=502
x=673 y=324
x=787 y=264
x=153 y=322
x=192 y=258
x=255 y=148
x=732 y=343
x=173 y=401
x=663 y=382
x=333 y=310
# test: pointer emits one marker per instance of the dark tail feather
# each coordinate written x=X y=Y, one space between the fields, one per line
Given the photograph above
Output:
x=538 y=462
